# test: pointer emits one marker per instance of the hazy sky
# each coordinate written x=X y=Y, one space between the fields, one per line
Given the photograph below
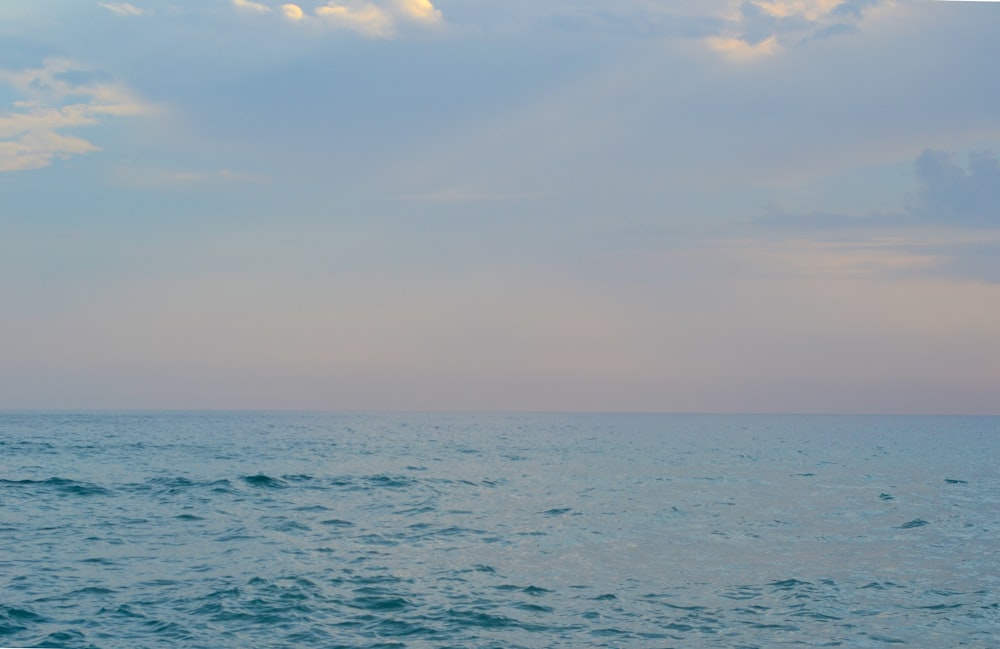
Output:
x=655 y=205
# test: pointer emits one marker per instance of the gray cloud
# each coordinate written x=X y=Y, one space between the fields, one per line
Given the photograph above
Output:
x=836 y=29
x=949 y=194
x=853 y=8
x=757 y=25
x=793 y=23
x=952 y=198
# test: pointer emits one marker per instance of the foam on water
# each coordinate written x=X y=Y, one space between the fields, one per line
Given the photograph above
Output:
x=322 y=530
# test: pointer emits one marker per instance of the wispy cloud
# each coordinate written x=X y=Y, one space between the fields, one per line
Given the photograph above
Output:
x=860 y=257
x=29 y=135
x=461 y=196
x=926 y=251
x=740 y=50
x=253 y=7
x=950 y=225
x=122 y=8
x=161 y=178
x=223 y=175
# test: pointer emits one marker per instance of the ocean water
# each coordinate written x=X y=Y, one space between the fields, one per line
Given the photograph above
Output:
x=226 y=530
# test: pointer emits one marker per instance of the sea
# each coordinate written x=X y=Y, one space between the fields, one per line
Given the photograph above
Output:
x=254 y=529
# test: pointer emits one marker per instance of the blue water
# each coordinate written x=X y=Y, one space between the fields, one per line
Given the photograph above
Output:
x=646 y=531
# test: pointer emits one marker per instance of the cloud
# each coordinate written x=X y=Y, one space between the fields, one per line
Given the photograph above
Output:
x=292 y=12
x=253 y=7
x=364 y=18
x=460 y=196
x=916 y=252
x=738 y=29
x=948 y=194
x=762 y=27
x=160 y=178
x=811 y=10
x=849 y=257
x=950 y=225
x=224 y=175
x=30 y=137
x=35 y=149
x=122 y=8
x=740 y=50
x=419 y=10
x=378 y=19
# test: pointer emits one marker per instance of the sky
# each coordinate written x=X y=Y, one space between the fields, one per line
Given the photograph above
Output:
x=570 y=205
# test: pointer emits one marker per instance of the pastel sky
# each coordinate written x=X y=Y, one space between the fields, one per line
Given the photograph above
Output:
x=639 y=205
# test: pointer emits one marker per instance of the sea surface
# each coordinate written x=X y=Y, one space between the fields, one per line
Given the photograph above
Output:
x=245 y=530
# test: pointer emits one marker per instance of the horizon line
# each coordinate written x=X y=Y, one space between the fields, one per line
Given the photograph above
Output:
x=319 y=411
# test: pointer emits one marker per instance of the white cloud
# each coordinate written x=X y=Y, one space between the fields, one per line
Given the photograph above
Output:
x=36 y=149
x=372 y=18
x=249 y=5
x=292 y=12
x=122 y=8
x=30 y=137
x=418 y=10
x=365 y=18
x=739 y=50
x=810 y=10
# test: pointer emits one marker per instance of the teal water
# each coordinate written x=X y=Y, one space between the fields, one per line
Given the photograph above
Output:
x=228 y=530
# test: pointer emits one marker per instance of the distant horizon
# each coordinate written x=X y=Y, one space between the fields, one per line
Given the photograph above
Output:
x=486 y=412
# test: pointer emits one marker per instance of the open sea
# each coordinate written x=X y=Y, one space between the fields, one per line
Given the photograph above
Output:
x=244 y=530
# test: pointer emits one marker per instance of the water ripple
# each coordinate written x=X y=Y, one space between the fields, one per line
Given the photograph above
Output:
x=310 y=530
